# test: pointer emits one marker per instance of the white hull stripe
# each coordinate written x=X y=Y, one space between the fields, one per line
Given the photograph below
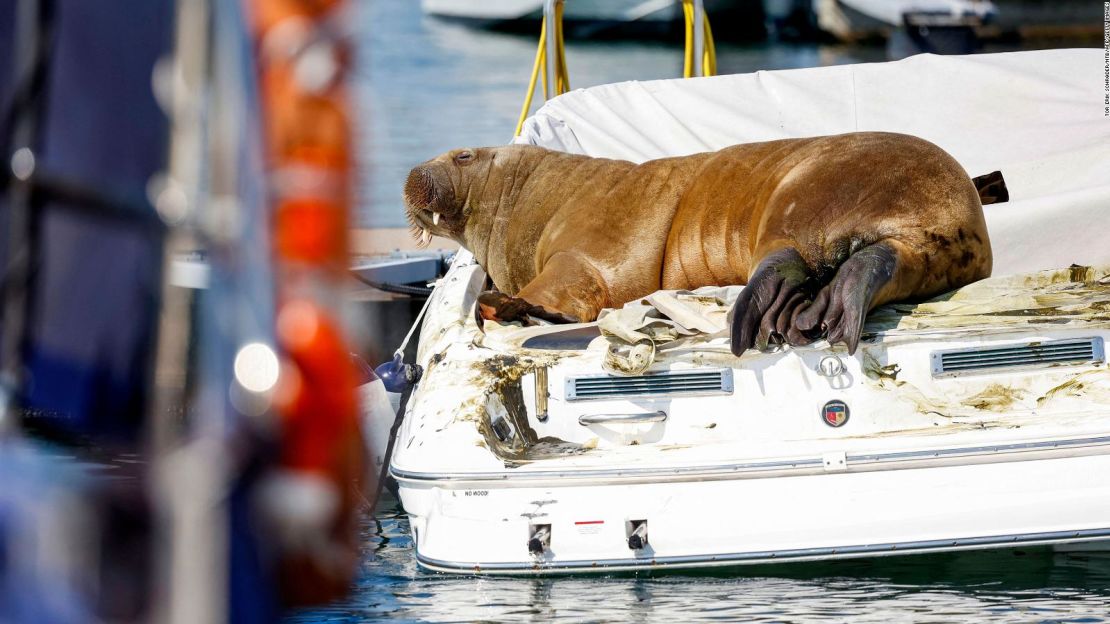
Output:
x=858 y=462
x=765 y=557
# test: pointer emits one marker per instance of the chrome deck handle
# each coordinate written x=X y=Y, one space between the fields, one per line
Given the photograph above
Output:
x=622 y=419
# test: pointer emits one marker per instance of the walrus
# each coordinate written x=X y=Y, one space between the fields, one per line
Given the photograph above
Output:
x=821 y=230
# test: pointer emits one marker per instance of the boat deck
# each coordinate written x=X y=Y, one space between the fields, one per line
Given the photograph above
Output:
x=901 y=409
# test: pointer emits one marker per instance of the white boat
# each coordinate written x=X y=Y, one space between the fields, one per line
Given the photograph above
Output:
x=852 y=20
x=512 y=10
x=586 y=18
x=979 y=420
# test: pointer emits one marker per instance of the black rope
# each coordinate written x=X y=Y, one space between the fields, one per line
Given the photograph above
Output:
x=400 y=289
x=383 y=474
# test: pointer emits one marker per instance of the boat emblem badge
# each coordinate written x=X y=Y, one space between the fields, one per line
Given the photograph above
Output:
x=835 y=413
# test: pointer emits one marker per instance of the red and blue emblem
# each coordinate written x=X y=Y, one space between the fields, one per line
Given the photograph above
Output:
x=835 y=413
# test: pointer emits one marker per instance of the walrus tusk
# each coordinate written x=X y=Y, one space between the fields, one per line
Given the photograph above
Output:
x=425 y=237
x=435 y=218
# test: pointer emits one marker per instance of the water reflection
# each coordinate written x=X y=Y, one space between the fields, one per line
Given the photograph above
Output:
x=1005 y=586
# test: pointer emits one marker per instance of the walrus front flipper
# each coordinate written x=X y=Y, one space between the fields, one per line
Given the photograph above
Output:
x=497 y=306
x=841 y=307
x=569 y=285
x=568 y=290
x=773 y=291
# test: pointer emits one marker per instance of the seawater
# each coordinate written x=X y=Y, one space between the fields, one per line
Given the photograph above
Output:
x=422 y=87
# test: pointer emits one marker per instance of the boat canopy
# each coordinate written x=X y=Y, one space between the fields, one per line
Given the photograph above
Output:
x=1036 y=116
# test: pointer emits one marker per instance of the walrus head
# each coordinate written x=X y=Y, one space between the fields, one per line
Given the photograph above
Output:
x=441 y=194
x=458 y=194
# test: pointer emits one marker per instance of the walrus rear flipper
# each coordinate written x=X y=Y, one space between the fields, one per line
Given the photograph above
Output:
x=992 y=188
x=783 y=301
x=775 y=289
x=840 y=308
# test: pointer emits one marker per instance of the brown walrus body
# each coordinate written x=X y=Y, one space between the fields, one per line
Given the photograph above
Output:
x=821 y=229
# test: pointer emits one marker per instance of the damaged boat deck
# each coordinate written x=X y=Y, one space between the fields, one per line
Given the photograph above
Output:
x=484 y=377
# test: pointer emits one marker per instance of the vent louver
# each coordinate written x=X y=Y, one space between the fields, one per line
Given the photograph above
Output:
x=1025 y=355
x=678 y=383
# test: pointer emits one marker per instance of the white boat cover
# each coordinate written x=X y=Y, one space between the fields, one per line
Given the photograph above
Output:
x=1036 y=116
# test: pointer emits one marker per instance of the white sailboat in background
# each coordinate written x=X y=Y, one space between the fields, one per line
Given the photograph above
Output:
x=583 y=18
x=850 y=20
x=909 y=26
x=493 y=11
x=953 y=26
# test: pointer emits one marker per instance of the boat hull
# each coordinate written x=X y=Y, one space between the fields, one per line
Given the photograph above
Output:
x=1052 y=497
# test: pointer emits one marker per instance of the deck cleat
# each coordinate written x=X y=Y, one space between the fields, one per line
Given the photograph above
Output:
x=638 y=537
x=540 y=538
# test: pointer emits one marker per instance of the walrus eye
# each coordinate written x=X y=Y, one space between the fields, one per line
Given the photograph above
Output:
x=464 y=157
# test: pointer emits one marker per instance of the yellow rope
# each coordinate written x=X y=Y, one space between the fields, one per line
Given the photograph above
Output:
x=688 y=52
x=710 y=50
x=708 y=61
x=532 y=83
x=539 y=68
x=561 y=76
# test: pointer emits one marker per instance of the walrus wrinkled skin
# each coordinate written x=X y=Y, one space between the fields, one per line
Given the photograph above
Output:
x=820 y=229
